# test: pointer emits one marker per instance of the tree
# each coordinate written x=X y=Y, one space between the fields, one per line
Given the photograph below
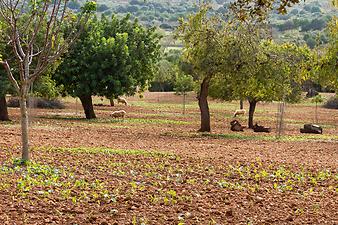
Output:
x=257 y=9
x=205 y=42
x=262 y=71
x=5 y=85
x=326 y=69
x=111 y=58
x=184 y=83
x=33 y=30
x=165 y=75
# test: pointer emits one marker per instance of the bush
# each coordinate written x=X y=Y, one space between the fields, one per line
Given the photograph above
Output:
x=37 y=103
x=332 y=103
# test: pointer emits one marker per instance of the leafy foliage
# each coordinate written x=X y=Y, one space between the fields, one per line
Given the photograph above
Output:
x=111 y=58
x=184 y=83
x=326 y=69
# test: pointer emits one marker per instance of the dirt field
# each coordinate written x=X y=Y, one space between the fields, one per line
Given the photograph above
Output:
x=154 y=168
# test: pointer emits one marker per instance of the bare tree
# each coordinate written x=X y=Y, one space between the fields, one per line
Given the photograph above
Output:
x=34 y=31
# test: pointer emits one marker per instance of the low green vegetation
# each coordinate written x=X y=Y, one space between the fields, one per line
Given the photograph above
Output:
x=155 y=178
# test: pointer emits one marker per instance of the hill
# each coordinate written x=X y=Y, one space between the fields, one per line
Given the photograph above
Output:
x=304 y=22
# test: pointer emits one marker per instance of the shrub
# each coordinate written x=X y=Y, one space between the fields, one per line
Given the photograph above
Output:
x=37 y=103
x=332 y=103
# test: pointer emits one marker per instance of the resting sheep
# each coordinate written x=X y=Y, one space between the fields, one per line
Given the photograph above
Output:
x=122 y=100
x=239 y=112
x=258 y=128
x=118 y=114
x=236 y=126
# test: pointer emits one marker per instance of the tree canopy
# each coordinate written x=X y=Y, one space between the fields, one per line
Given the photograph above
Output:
x=261 y=71
x=326 y=71
x=111 y=58
x=205 y=41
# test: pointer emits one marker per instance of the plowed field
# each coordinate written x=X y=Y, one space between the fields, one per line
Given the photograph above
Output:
x=154 y=168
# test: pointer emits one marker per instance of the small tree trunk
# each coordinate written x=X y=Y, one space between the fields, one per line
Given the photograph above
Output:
x=184 y=99
x=316 y=113
x=112 y=101
x=203 y=105
x=24 y=128
x=241 y=104
x=87 y=105
x=251 y=112
x=3 y=109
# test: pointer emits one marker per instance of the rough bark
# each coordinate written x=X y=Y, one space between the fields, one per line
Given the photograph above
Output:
x=251 y=112
x=87 y=105
x=24 y=128
x=203 y=105
x=3 y=109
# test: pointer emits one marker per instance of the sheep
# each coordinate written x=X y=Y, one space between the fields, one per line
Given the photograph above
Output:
x=118 y=114
x=239 y=112
x=122 y=100
x=258 y=128
x=236 y=126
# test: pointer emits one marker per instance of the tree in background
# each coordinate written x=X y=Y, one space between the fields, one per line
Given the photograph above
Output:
x=184 y=83
x=326 y=69
x=111 y=58
x=258 y=9
x=263 y=71
x=5 y=85
x=33 y=31
x=164 y=77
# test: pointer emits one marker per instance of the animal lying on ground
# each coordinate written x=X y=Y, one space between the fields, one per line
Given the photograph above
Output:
x=239 y=112
x=118 y=114
x=122 y=100
x=258 y=128
x=311 y=129
x=236 y=126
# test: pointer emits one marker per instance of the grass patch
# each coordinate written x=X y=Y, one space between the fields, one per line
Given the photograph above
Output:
x=111 y=120
x=109 y=151
x=240 y=136
x=154 y=121
x=273 y=138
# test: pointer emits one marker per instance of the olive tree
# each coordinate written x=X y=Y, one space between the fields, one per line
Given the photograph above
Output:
x=206 y=42
x=267 y=72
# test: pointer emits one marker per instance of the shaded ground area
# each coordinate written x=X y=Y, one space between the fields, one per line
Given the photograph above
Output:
x=165 y=172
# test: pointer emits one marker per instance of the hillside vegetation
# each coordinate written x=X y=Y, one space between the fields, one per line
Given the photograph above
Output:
x=304 y=22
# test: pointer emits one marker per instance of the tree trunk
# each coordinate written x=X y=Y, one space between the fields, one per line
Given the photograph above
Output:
x=24 y=128
x=316 y=113
x=3 y=109
x=204 y=107
x=241 y=104
x=251 y=112
x=111 y=101
x=184 y=99
x=87 y=105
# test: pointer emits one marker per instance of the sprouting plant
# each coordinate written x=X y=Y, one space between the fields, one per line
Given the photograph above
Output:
x=191 y=181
